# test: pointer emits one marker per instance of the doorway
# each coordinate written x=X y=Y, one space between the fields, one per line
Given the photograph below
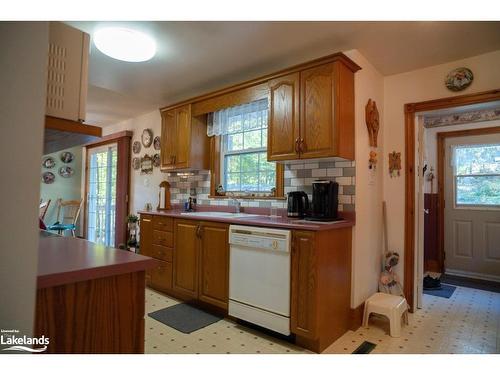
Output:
x=471 y=209
x=107 y=180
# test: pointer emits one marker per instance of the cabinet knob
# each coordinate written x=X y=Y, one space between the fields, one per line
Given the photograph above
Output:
x=302 y=146
x=297 y=150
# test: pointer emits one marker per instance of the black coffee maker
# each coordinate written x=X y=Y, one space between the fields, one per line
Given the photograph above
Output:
x=325 y=201
x=298 y=204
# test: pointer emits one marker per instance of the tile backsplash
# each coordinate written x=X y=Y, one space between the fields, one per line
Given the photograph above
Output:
x=298 y=176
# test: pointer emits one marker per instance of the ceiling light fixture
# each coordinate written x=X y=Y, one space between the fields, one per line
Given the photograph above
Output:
x=125 y=44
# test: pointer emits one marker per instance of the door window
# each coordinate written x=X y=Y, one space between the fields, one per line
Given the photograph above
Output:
x=477 y=175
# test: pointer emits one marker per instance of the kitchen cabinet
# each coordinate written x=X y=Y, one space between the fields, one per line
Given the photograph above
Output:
x=304 y=285
x=312 y=113
x=184 y=142
x=185 y=258
x=201 y=261
x=283 y=130
x=214 y=263
x=320 y=286
x=156 y=241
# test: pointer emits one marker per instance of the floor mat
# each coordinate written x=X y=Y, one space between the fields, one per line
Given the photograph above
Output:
x=446 y=291
x=184 y=318
x=490 y=286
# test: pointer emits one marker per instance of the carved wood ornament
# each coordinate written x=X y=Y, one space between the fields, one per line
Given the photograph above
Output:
x=395 y=164
x=372 y=121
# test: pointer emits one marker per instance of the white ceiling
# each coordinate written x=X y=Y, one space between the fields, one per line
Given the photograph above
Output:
x=197 y=57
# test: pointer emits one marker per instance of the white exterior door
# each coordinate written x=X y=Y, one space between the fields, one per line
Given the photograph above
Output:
x=472 y=206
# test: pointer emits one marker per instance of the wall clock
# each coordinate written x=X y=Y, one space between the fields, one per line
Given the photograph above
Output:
x=147 y=137
x=459 y=79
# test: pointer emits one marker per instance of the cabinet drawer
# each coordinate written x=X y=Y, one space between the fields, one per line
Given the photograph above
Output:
x=161 y=276
x=162 y=252
x=163 y=223
x=163 y=238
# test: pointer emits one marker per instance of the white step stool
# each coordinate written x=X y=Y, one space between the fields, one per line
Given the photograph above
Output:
x=393 y=307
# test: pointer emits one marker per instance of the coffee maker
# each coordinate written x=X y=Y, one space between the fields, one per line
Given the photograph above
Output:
x=298 y=204
x=325 y=201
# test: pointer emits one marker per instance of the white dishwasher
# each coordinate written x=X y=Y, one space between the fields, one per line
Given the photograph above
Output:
x=259 y=276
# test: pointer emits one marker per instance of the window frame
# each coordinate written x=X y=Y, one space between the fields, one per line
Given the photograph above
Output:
x=216 y=168
x=456 y=176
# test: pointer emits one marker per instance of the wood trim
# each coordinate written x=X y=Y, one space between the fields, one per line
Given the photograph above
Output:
x=56 y=123
x=357 y=317
x=123 y=141
x=410 y=110
x=441 y=138
x=110 y=138
x=263 y=79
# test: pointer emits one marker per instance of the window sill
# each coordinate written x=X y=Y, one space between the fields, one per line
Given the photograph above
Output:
x=245 y=197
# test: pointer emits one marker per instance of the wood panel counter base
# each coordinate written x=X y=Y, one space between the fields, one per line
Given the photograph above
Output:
x=93 y=317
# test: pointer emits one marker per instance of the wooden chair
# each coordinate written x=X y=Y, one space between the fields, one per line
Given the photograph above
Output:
x=44 y=206
x=70 y=211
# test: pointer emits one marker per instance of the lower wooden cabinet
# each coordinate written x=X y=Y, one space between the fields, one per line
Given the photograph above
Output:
x=161 y=277
x=201 y=261
x=214 y=264
x=185 y=258
x=304 y=285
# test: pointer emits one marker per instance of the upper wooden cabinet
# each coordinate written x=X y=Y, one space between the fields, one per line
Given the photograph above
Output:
x=184 y=141
x=283 y=129
x=312 y=114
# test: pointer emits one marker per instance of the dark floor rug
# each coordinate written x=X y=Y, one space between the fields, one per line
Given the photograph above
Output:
x=490 y=286
x=365 y=348
x=184 y=318
x=446 y=291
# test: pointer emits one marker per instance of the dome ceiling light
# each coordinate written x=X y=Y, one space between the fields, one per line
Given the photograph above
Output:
x=125 y=44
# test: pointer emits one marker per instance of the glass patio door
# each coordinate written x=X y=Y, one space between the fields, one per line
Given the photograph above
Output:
x=101 y=194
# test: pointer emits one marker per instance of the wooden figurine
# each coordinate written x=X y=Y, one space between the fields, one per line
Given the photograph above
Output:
x=372 y=121
x=165 y=204
x=394 y=163
x=372 y=162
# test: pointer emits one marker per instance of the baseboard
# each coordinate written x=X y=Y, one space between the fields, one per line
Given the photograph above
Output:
x=357 y=317
x=472 y=275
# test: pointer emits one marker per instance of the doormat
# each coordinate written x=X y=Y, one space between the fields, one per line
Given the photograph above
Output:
x=446 y=291
x=365 y=348
x=184 y=318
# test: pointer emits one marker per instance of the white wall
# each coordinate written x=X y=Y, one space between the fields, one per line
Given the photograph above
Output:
x=143 y=188
x=367 y=234
x=416 y=86
x=430 y=144
x=23 y=61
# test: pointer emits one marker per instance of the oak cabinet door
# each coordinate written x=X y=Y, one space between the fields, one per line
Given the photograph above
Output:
x=317 y=125
x=304 y=285
x=161 y=276
x=185 y=258
x=168 y=131
x=183 y=137
x=283 y=131
x=214 y=264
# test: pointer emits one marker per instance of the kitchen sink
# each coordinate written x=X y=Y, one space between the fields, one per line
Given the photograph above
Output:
x=229 y=215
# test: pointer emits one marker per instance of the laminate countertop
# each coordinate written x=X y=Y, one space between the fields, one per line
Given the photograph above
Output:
x=65 y=260
x=260 y=220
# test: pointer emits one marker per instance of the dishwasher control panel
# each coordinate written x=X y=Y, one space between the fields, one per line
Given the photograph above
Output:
x=261 y=238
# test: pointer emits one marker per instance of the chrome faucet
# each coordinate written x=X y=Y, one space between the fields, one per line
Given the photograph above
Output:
x=236 y=203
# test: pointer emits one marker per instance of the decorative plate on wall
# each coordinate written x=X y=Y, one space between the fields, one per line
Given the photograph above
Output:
x=157 y=143
x=146 y=164
x=147 y=137
x=49 y=162
x=136 y=147
x=48 y=177
x=136 y=163
x=67 y=157
x=459 y=79
x=156 y=160
x=66 y=171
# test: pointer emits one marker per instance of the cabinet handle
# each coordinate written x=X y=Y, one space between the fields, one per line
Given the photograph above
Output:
x=297 y=145
x=302 y=145
x=146 y=220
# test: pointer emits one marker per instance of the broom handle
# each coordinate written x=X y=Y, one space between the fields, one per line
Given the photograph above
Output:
x=384 y=224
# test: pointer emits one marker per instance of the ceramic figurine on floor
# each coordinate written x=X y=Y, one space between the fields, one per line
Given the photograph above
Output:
x=389 y=281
